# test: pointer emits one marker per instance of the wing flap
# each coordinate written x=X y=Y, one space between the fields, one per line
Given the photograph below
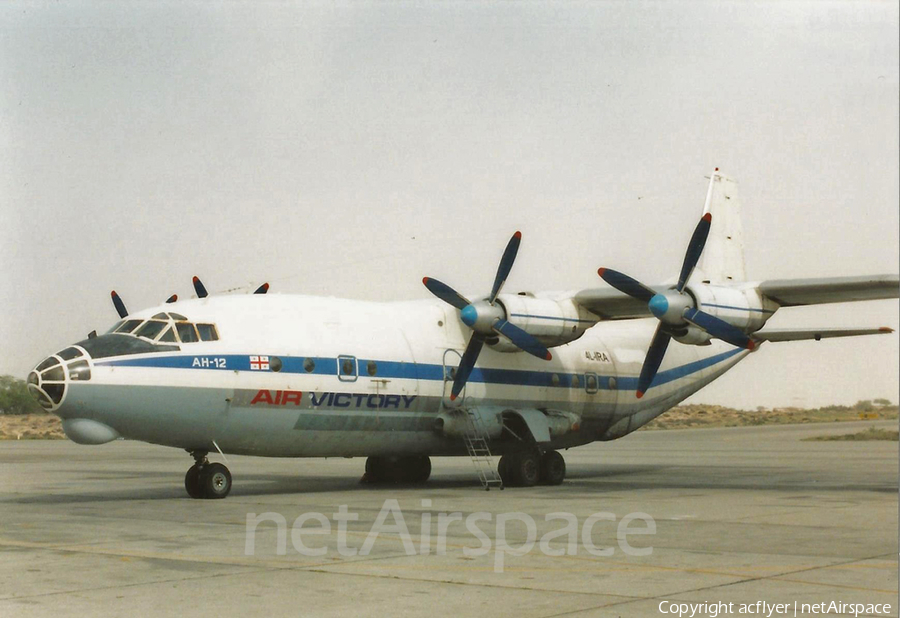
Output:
x=817 y=333
x=796 y=292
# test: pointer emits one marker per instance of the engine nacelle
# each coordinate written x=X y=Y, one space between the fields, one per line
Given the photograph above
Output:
x=552 y=322
x=455 y=423
x=692 y=336
x=744 y=308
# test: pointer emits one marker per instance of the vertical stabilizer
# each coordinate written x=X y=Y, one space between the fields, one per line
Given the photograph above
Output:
x=723 y=256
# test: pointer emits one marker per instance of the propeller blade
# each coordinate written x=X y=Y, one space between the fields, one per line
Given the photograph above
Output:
x=695 y=248
x=446 y=293
x=172 y=298
x=626 y=284
x=262 y=289
x=522 y=339
x=466 y=364
x=199 y=288
x=654 y=358
x=719 y=328
x=506 y=262
x=120 y=306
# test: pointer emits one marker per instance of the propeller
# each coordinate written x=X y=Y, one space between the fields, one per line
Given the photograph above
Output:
x=486 y=318
x=674 y=308
x=262 y=289
x=119 y=305
x=199 y=287
x=173 y=298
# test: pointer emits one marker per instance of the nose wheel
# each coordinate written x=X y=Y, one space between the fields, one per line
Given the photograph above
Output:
x=207 y=480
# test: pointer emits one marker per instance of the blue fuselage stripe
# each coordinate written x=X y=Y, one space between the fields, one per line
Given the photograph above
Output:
x=418 y=371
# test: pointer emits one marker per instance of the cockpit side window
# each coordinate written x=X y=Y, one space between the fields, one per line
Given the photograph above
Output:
x=207 y=332
x=151 y=329
x=186 y=332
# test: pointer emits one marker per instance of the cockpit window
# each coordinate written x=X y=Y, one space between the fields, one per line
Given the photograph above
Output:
x=207 y=332
x=128 y=326
x=186 y=332
x=150 y=329
x=163 y=328
x=69 y=354
x=168 y=336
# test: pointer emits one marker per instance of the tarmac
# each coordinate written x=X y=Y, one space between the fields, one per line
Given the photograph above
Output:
x=740 y=516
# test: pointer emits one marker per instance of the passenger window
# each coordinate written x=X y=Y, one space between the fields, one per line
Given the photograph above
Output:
x=186 y=332
x=168 y=336
x=207 y=332
x=151 y=329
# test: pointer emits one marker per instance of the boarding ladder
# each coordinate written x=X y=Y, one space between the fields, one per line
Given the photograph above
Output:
x=479 y=452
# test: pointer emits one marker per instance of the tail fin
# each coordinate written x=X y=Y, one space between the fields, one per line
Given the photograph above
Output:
x=723 y=256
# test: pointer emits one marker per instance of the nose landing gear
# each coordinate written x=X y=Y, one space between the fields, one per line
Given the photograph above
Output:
x=205 y=479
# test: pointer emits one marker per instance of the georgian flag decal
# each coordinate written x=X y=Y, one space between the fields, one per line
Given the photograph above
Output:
x=259 y=363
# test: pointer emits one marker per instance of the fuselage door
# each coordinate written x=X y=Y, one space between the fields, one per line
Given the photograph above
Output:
x=347 y=368
x=591 y=383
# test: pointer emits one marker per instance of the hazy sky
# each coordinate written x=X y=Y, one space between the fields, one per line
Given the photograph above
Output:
x=350 y=149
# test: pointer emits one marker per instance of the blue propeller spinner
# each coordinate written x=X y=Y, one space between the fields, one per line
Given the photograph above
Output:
x=674 y=309
x=486 y=318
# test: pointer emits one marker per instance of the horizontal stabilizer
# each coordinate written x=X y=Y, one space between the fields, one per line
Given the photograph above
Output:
x=817 y=333
x=795 y=292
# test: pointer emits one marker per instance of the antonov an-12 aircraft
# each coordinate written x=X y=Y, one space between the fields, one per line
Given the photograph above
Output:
x=518 y=375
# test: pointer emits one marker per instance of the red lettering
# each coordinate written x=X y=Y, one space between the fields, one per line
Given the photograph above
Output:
x=291 y=397
x=262 y=397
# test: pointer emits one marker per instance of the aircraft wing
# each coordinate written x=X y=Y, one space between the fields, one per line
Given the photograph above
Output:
x=796 y=292
x=816 y=333
x=611 y=304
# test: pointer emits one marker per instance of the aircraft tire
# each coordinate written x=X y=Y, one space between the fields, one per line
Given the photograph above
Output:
x=192 y=482
x=504 y=472
x=215 y=481
x=525 y=469
x=553 y=468
x=418 y=468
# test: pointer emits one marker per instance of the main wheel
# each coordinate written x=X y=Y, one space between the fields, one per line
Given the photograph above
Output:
x=192 y=482
x=417 y=468
x=553 y=468
x=525 y=469
x=503 y=469
x=375 y=469
x=215 y=481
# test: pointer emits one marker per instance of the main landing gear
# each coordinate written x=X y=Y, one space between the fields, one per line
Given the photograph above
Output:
x=411 y=469
x=529 y=467
x=205 y=479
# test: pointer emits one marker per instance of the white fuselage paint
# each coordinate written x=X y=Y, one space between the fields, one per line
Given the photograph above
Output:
x=207 y=392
